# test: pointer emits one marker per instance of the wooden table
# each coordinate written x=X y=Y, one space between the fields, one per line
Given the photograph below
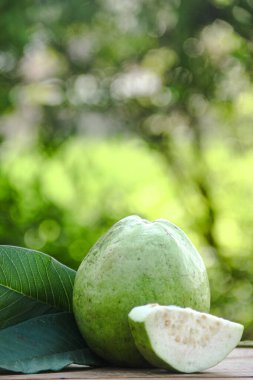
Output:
x=238 y=365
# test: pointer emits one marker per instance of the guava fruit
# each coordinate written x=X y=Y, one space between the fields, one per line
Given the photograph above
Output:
x=134 y=263
x=182 y=339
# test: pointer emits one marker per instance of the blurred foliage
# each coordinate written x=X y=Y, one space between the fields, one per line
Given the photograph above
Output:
x=110 y=108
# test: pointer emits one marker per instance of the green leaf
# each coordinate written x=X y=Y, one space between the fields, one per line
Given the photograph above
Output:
x=32 y=283
x=48 y=342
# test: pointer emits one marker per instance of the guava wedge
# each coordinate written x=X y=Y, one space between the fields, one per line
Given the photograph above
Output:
x=182 y=339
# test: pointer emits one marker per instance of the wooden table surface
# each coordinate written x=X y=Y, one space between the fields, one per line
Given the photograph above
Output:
x=238 y=365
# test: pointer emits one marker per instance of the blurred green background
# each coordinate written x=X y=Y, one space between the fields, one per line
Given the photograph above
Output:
x=110 y=108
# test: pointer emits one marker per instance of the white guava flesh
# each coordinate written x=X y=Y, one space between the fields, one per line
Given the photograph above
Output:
x=182 y=339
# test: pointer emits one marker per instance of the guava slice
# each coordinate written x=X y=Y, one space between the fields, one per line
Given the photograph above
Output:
x=182 y=339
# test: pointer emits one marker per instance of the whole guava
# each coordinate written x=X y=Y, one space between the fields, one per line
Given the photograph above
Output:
x=134 y=263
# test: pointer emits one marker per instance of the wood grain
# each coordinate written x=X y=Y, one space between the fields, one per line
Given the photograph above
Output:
x=238 y=365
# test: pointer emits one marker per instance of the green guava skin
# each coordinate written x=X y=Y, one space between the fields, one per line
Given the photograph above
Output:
x=135 y=263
